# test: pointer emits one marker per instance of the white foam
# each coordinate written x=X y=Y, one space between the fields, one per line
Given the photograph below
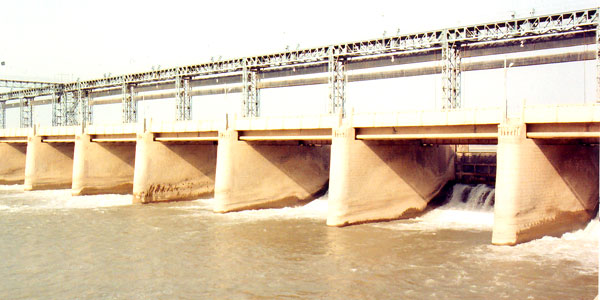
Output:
x=57 y=199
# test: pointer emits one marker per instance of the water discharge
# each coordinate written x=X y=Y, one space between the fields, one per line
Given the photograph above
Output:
x=55 y=246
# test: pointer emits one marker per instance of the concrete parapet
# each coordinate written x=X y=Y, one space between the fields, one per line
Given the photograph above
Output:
x=12 y=168
x=267 y=175
x=542 y=188
x=48 y=165
x=172 y=171
x=102 y=168
x=375 y=180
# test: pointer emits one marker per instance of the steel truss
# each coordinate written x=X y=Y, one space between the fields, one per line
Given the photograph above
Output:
x=21 y=84
x=26 y=112
x=183 y=98
x=128 y=104
x=451 y=74
x=85 y=107
x=65 y=109
x=548 y=27
x=2 y=114
x=337 y=83
x=250 y=92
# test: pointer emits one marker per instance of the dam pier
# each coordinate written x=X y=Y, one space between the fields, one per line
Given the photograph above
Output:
x=376 y=165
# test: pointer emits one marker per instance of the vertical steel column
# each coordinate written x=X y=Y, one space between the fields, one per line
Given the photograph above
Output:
x=2 y=114
x=337 y=83
x=183 y=98
x=71 y=109
x=56 y=109
x=450 y=73
x=598 y=63
x=26 y=110
x=85 y=108
x=250 y=92
x=128 y=103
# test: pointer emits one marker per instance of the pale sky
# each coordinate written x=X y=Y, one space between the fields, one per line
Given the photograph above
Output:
x=63 y=40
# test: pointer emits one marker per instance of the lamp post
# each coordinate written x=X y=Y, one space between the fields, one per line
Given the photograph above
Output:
x=505 y=88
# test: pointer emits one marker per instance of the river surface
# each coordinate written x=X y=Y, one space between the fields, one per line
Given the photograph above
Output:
x=55 y=246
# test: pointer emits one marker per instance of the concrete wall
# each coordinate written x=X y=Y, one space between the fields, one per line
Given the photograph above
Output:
x=373 y=180
x=169 y=172
x=251 y=175
x=48 y=165
x=12 y=168
x=542 y=189
x=102 y=168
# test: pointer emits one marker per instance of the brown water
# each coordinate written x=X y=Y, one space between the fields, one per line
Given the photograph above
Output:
x=54 y=246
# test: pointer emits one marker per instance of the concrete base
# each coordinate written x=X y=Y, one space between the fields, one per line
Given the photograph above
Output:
x=102 y=168
x=48 y=165
x=373 y=181
x=12 y=169
x=170 y=172
x=252 y=176
x=542 y=189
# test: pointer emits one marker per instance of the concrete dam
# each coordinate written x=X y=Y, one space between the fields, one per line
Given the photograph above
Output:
x=375 y=165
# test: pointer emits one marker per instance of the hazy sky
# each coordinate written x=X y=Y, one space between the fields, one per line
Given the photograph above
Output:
x=62 y=40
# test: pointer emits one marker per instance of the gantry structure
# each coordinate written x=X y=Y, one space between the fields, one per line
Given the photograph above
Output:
x=71 y=102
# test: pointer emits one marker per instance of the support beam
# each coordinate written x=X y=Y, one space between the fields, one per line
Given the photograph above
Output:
x=376 y=180
x=598 y=63
x=48 y=165
x=250 y=91
x=85 y=106
x=542 y=189
x=102 y=168
x=71 y=109
x=170 y=171
x=451 y=73
x=57 y=110
x=337 y=83
x=2 y=114
x=183 y=95
x=128 y=103
x=12 y=168
x=26 y=112
x=267 y=175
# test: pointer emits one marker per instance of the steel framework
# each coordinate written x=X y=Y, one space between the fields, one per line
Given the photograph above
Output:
x=128 y=104
x=26 y=111
x=22 y=84
x=447 y=41
x=183 y=98
x=451 y=74
x=250 y=92
x=85 y=107
x=2 y=114
x=337 y=83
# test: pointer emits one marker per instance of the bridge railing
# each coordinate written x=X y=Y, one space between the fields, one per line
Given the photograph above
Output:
x=58 y=131
x=469 y=116
x=188 y=126
x=114 y=129
x=16 y=132
x=562 y=113
x=285 y=122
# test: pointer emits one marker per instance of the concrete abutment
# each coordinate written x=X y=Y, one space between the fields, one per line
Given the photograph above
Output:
x=254 y=175
x=542 y=188
x=375 y=180
x=48 y=165
x=102 y=168
x=12 y=168
x=173 y=171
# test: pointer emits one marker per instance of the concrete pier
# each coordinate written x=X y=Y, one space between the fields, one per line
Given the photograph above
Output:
x=12 y=168
x=173 y=171
x=49 y=165
x=253 y=175
x=102 y=168
x=542 y=187
x=376 y=180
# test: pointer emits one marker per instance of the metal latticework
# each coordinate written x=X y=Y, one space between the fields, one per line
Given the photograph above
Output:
x=65 y=110
x=183 y=98
x=26 y=111
x=597 y=67
x=337 y=84
x=2 y=114
x=85 y=107
x=250 y=94
x=57 y=113
x=450 y=76
x=128 y=104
